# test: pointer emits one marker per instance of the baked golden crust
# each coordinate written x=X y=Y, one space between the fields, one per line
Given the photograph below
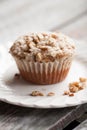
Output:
x=43 y=47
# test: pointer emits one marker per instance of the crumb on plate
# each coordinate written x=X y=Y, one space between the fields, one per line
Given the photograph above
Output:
x=76 y=86
x=71 y=94
x=51 y=94
x=66 y=93
x=17 y=75
x=82 y=79
x=36 y=93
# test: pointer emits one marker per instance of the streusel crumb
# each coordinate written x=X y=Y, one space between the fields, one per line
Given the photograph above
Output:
x=76 y=86
x=82 y=79
x=17 y=75
x=46 y=47
x=73 y=89
x=36 y=93
x=71 y=94
x=66 y=93
x=51 y=94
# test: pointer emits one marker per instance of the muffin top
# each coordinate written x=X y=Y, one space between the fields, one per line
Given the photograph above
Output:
x=43 y=47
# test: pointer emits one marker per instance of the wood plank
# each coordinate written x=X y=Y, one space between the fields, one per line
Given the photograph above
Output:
x=76 y=29
x=82 y=126
x=19 y=118
x=22 y=11
x=83 y=117
x=22 y=17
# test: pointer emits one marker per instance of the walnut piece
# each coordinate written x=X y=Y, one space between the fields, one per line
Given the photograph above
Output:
x=54 y=36
x=43 y=48
x=76 y=86
x=51 y=94
x=44 y=34
x=36 y=93
x=81 y=87
x=48 y=58
x=82 y=79
x=73 y=89
x=32 y=45
x=66 y=93
x=17 y=75
x=71 y=94
x=40 y=36
x=38 y=57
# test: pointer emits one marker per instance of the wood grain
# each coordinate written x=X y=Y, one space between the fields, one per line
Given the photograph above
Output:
x=77 y=29
x=23 y=16
x=19 y=118
x=82 y=126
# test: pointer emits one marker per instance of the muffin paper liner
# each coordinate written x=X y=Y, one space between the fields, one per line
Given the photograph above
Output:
x=44 y=73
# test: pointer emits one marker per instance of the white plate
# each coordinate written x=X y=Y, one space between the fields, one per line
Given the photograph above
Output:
x=16 y=91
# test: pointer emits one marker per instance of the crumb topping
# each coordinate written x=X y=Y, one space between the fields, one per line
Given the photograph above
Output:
x=42 y=47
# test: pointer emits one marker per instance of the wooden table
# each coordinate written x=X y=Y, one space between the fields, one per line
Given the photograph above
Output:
x=23 y=16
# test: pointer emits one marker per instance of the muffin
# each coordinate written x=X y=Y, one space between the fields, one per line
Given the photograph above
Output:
x=43 y=58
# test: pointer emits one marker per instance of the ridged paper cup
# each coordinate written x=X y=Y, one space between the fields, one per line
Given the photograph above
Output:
x=44 y=73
